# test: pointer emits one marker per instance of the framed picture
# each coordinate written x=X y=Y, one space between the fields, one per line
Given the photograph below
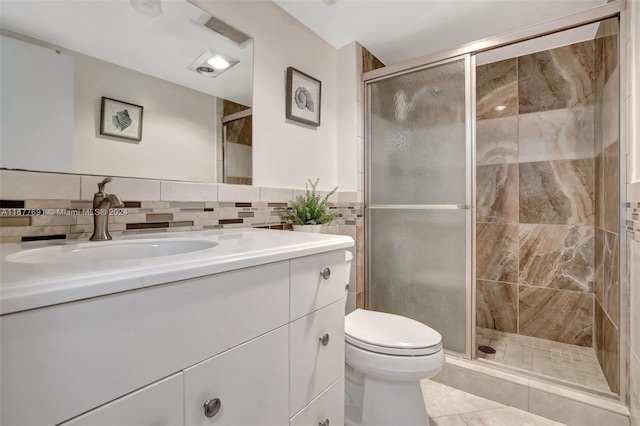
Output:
x=120 y=119
x=303 y=97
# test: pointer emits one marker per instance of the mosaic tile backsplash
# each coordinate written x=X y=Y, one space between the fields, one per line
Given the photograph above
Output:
x=36 y=206
x=26 y=220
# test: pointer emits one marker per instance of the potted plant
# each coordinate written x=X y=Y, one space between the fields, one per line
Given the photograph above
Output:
x=310 y=211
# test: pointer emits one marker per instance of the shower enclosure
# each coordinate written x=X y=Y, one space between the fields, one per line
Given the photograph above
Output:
x=492 y=201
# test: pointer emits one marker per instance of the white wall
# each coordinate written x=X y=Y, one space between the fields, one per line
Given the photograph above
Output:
x=633 y=100
x=632 y=46
x=285 y=153
x=348 y=110
x=37 y=107
x=178 y=131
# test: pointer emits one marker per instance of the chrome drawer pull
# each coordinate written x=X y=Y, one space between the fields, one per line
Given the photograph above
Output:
x=324 y=339
x=326 y=273
x=325 y=422
x=212 y=406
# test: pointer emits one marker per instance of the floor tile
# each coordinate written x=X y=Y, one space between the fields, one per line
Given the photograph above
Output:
x=442 y=400
x=447 y=421
x=506 y=417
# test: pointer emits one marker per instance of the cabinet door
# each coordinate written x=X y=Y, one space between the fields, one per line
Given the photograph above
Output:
x=310 y=289
x=316 y=364
x=328 y=408
x=159 y=404
x=87 y=353
x=251 y=383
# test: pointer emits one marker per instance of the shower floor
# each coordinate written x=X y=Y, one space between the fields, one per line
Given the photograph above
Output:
x=576 y=364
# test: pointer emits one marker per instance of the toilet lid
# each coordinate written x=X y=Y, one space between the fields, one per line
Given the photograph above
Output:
x=390 y=334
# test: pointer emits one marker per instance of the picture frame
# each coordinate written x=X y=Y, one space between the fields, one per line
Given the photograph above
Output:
x=121 y=119
x=304 y=96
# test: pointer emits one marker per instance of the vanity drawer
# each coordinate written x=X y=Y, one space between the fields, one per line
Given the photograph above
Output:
x=328 y=406
x=159 y=404
x=315 y=365
x=86 y=353
x=249 y=381
x=309 y=289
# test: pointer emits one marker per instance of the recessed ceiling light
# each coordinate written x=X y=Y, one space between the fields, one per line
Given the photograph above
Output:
x=211 y=64
x=218 y=62
x=206 y=71
x=500 y=108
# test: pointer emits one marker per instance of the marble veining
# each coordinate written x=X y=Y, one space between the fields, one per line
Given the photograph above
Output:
x=611 y=187
x=497 y=141
x=611 y=360
x=556 y=256
x=599 y=190
x=497 y=193
x=497 y=89
x=598 y=337
x=559 y=315
x=497 y=306
x=557 y=192
x=497 y=252
x=611 y=280
x=369 y=61
x=561 y=134
x=598 y=264
x=610 y=112
x=563 y=138
x=610 y=55
x=558 y=78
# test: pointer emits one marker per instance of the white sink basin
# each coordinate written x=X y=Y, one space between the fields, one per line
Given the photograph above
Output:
x=105 y=251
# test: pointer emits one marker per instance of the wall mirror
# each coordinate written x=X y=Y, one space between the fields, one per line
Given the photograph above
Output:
x=187 y=76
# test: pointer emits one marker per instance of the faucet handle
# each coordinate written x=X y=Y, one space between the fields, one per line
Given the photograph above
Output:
x=103 y=183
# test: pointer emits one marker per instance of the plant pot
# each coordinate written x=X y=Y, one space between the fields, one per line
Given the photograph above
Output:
x=307 y=228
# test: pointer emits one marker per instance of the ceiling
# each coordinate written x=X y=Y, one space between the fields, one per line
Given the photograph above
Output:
x=397 y=30
x=115 y=32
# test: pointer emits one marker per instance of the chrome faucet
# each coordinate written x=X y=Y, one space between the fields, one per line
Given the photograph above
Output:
x=102 y=204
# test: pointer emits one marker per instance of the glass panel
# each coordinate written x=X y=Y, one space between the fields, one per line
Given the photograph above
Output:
x=417 y=137
x=238 y=151
x=419 y=258
x=418 y=268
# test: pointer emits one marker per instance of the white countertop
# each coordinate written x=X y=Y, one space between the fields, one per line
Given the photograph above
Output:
x=27 y=286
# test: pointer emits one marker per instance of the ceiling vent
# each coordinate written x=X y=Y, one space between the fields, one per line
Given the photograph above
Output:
x=227 y=31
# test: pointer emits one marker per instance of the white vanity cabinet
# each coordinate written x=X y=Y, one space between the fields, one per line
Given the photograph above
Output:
x=247 y=385
x=316 y=338
x=247 y=342
x=159 y=404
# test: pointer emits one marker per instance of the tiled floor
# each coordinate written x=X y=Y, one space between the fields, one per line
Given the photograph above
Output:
x=448 y=406
x=576 y=364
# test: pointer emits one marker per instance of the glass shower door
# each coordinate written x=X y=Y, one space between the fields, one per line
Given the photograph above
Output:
x=419 y=197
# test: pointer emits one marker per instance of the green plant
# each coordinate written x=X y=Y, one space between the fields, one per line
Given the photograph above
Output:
x=311 y=208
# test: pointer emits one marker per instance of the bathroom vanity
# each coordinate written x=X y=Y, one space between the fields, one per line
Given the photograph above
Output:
x=248 y=330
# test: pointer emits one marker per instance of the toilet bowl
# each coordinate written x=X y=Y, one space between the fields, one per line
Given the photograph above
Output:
x=386 y=356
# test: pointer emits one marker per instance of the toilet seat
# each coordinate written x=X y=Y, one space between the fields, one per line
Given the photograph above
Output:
x=390 y=334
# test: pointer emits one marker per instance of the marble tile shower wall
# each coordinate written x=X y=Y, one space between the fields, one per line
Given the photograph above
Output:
x=537 y=194
x=607 y=201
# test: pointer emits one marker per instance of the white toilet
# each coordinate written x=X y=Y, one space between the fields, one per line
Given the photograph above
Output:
x=386 y=357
